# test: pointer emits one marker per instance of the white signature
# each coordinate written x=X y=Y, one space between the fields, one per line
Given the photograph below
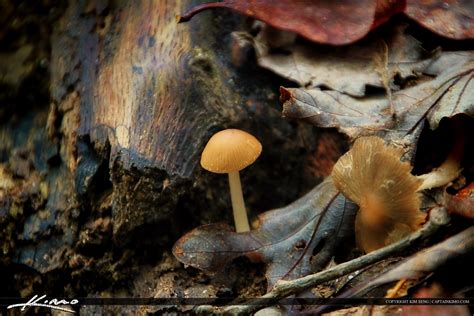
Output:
x=41 y=302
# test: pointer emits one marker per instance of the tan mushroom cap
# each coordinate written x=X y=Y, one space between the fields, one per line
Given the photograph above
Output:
x=372 y=175
x=230 y=150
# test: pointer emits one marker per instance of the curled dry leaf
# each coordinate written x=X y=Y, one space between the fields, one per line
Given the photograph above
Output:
x=331 y=22
x=462 y=203
x=452 y=18
x=346 y=69
x=346 y=21
x=294 y=240
x=450 y=93
x=459 y=97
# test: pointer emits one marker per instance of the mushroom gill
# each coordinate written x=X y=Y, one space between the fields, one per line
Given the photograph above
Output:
x=372 y=175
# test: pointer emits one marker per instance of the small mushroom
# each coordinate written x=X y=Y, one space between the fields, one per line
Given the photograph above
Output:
x=230 y=151
x=372 y=175
x=450 y=169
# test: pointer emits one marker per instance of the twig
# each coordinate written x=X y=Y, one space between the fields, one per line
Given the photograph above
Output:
x=282 y=289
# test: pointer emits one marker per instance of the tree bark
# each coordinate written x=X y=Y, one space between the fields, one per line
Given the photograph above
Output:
x=100 y=180
x=150 y=93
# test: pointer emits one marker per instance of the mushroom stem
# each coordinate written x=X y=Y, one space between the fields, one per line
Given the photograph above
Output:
x=450 y=169
x=238 y=205
x=442 y=175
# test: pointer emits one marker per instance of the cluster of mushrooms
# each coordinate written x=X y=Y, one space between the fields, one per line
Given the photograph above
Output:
x=371 y=174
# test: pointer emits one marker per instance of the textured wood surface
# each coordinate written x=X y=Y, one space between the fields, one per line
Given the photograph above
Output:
x=140 y=95
x=144 y=93
x=157 y=91
x=101 y=135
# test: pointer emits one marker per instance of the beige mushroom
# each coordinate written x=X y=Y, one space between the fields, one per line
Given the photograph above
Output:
x=450 y=169
x=372 y=175
x=230 y=151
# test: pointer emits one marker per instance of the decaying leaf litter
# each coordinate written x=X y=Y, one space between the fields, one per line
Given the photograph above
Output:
x=345 y=22
x=285 y=238
x=386 y=85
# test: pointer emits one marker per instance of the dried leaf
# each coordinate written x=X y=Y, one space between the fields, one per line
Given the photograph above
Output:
x=462 y=203
x=294 y=240
x=418 y=265
x=459 y=97
x=364 y=310
x=400 y=289
x=346 y=69
x=453 y=18
x=451 y=92
x=331 y=22
x=426 y=261
x=346 y=21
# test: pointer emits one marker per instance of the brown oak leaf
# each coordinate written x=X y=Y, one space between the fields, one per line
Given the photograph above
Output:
x=346 y=69
x=293 y=241
x=449 y=93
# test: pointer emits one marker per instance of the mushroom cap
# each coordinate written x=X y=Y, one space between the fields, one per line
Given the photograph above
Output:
x=372 y=175
x=230 y=150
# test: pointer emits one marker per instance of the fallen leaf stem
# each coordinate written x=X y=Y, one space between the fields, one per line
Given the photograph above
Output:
x=282 y=289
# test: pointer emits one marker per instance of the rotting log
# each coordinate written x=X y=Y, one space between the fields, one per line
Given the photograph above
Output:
x=100 y=174
x=148 y=93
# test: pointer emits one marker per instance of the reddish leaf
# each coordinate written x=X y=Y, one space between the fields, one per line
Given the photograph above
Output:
x=463 y=202
x=449 y=18
x=344 y=22
x=434 y=291
x=428 y=260
x=418 y=265
x=331 y=22
x=285 y=239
